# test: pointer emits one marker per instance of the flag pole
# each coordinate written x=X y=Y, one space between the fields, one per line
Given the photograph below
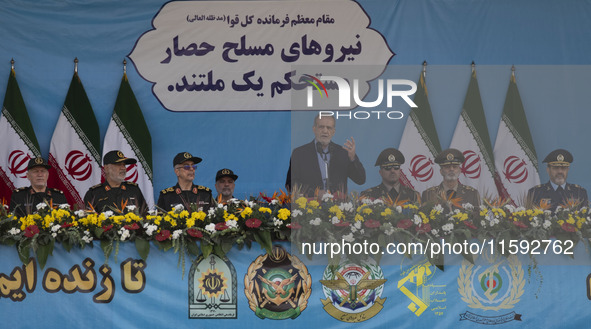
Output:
x=124 y=66
x=12 y=63
x=76 y=65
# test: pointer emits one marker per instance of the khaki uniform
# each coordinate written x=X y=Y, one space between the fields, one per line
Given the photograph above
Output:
x=381 y=192
x=466 y=193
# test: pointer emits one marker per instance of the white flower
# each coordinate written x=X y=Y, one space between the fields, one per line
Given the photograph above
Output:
x=316 y=221
x=55 y=228
x=378 y=201
x=108 y=213
x=353 y=229
x=80 y=213
x=327 y=197
x=438 y=208
x=357 y=225
x=54 y=234
x=232 y=223
x=249 y=203
x=559 y=208
x=447 y=227
x=417 y=220
x=435 y=232
x=482 y=223
x=178 y=208
x=176 y=234
x=41 y=206
x=296 y=213
x=220 y=205
x=152 y=212
x=399 y=209
x=366 y=201
x=64 y=206
x=210 y=212
x=335 y=220
x=234 y=201
x=274 y=201
x=348 y=237
x=87 y=239
x=131 y=207
x=346 y=206
x=467 y=206
x=482 y=207
x=535 y=223
x=150 y=229
x=124 y=233
x=210 y=227
x=361 y=231
x=277 y=222
x=14 y=231
x=546 y=224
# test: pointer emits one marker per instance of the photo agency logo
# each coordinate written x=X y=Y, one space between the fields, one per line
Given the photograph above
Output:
x=387 y=88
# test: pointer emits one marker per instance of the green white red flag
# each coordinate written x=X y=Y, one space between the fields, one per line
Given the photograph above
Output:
x=420 y=144
x=515 y=154
x=472 y=138
x=18 y=143
x=129 y=133
x=73 y=153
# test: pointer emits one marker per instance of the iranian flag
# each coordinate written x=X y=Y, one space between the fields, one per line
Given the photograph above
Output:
x=472 y=138
x=18 y=142
x=129 y=133
x=515 y=155
x=73 y=153
x=420 y=144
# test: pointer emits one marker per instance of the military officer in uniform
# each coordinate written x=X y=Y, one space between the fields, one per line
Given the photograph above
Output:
x=224 y=185
x=389 y=162
x=557 y=191
x=185 y=192
x=449 y=162
x=25 y=200
x=115 y=192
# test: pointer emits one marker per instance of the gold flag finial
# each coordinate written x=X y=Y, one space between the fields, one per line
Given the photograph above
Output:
x=76 y=65
x=124 y=66
x=424 y=68
x=12 y=63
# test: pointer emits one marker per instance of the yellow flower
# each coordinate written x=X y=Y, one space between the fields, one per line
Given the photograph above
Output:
x=184 y=214
x=359 y=218
x=386 y=212
x=301 y=202
x=246 y=212
x=367 y=211
x=314 y=204
x=283 y=214
x=199 y=215
x=265 y=210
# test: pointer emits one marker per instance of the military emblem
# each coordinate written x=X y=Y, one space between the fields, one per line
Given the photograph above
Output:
x=415 y=285
x=560 y=157
x=39 y=161
x=187 y=155
x=277 y=286
x=226 y=172
x=449 y=157
x=493 y=283
x=391 y=158
x=353 y=291
x=120 y=154
x=212 y=289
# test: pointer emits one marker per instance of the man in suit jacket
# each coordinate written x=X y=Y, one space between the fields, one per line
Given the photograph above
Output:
x=323 y=165
x=557 y=191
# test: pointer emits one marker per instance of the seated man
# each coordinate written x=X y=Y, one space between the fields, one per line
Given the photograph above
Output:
x=224 y=185
x=389 y=161
x=24 y=200
x=115 y=192
x=185 y=192
x=557 y=191
x=450 y=161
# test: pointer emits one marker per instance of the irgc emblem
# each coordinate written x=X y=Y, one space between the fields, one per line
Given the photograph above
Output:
x=353 y=291
x=492 y=284
x=278 y=285
x=212 y=289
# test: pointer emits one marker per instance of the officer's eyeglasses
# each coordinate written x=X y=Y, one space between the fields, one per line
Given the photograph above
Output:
x=391 y=167
x=188 y=167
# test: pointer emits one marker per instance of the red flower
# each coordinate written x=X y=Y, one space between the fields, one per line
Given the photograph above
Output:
x=372 y=223
x=469 y=224
x=294 y=226
x=253 y=222
x=163 y=235
x=67 y=224
x=404 y=223
x=520 y=224
x=265 y=197
x=221 y=226
x=566 y=226
x=423 y=228
x=342 y=224
x=106 y=228
x=195 y=233
x=31 y=231
x=131 y=227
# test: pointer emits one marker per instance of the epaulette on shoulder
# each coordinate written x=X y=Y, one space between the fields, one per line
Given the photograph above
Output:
x=432 y=188
x=95 y=186
x=203 y=188
x=167 y=190
x=20 y=189
x=57 y=191
x=130 y=183
x=470 y=188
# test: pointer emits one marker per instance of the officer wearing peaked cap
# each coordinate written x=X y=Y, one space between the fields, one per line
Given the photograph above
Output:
x=557 y=191
x=25 y=200
x=115 y=192
x=185 y=193
x=449 y=162
x=224 y=184
x=389 y=162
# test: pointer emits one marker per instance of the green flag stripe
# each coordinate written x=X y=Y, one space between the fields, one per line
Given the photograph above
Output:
x=422 y=117
x=127 y=114
x=78 y=111
x=15 y=112
x=515 y=119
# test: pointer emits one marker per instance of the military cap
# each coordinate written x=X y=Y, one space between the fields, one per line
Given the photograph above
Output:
x=449 y=156
x=38 y=162
x=559 y=158
x=390 y=157
x=225 y=173
x=185 y=156
x=117 y=156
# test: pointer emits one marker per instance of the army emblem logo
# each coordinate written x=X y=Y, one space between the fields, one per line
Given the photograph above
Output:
x=449 y=157
x=39 y=161
x=560 y=157
x=212 y=289
x=353 y=291
x=391 y=158
x=492 y=284
x=120 y=154
x=277 y=286
x=187 y=155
